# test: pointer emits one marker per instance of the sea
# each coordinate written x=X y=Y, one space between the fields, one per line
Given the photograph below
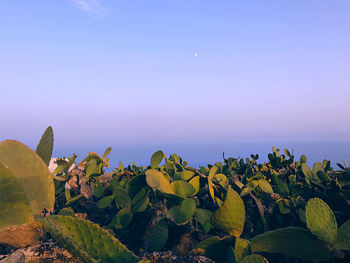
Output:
x=202 y=154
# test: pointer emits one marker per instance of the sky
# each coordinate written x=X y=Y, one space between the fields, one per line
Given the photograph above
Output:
x=177 y=71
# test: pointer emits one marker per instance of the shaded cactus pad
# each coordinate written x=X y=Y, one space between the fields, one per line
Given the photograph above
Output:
x=320 y=220
x=254 y=259
x=14 y=206
x=231 y=216
x=294 y=242
x=31 y=172
x=88 y=240
x=343 y=237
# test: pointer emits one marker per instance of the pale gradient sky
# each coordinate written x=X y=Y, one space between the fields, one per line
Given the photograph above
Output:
x=127 y=71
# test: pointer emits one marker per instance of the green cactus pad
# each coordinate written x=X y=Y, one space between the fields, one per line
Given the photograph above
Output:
x=45 y=146
x=121 y=197
x=317 y=167
x=254 y=259
x=105 y=201
x=159 y=236
x=212 y=172
x=14 y=206
x=87 y=240
x=195 y=183
x=216 y=248
x=183 y=189
x=230 y=216
x=203 y=215
x=307 y=172
x=156 y=159
x=186 y=175
x=303 y=158
x=107 y=152
x=122 y=219
x=135 y=185
x=221 y=179
x=67 y=211
x=140 y=201
x=265 y=186
x=343 y=237
x=91 y=167
x=320 y=220
x=158 y=181
x=293 y=242
x=242 y=248
x=183 y=213
x=31 y=172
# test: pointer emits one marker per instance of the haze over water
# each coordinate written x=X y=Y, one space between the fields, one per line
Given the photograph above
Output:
x=204 y=154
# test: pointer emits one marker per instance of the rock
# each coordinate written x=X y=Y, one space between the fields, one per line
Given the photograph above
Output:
x=22 y=235
x=43 y=252
x=15 y=257
x=77 y=181
x=169 y=257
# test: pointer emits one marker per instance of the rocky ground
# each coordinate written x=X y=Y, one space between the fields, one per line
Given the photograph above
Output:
x=49 y=251
x=44 y=252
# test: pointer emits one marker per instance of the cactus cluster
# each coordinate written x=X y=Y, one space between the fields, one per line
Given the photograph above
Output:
x=236 y=211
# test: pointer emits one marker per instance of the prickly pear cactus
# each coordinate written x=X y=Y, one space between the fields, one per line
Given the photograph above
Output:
x=32 y=174
x=182 y=213
x=343 y=237
x=293 y=242
x=231 y=216
x=158 y=181
x=320 y=220
x=216 y=248
x=158 y=236
x=212 y=172
x=242 y=248
x=183 y=189
x=87 y=240
x=156 y=159
x=307 y=172
x=14 y=206
x=45 y=146
x=254 y=259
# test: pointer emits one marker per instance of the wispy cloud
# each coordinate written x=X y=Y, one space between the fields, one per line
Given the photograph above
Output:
x=92 y=7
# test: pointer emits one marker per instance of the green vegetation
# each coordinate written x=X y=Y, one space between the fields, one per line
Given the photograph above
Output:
x=236 y=211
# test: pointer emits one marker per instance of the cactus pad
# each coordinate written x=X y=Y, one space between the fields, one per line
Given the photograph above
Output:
x=265 y=186
x=181 y=214
x=320 y=220
x=307 y=172
x=216 y=248
x=45 y=146
x=293 y=242
x=14 y=206
x=230 y=216
x=88 y=240
x=159 y=236
x=156 y=159
x=158 y=181
x=343 y=237
x=183 y=189
x=242 y=248
x=254 y=259
x=31 y=172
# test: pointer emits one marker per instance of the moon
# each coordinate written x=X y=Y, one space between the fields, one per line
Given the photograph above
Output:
x=195 y=54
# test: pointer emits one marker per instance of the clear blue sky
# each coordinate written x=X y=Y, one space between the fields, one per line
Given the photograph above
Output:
x=127 y=71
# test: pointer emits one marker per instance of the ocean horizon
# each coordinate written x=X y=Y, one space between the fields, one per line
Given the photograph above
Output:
x=202 y=154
